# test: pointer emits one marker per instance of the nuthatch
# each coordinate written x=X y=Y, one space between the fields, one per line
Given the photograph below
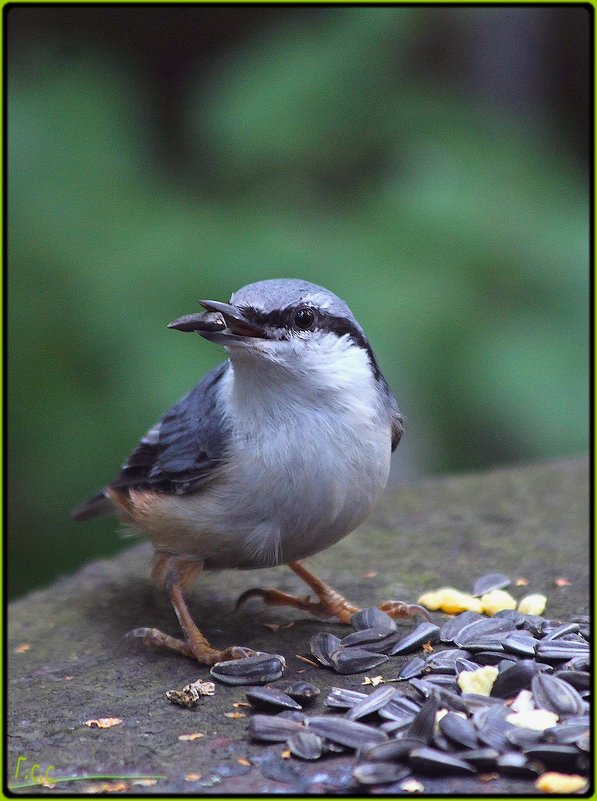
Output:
x=276 y=454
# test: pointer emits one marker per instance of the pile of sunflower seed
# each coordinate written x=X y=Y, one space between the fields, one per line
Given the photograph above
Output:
x=422 y=722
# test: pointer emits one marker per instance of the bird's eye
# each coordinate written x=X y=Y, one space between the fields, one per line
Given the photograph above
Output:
x=304 y=318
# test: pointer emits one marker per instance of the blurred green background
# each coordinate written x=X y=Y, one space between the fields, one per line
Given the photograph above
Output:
x=429 y=165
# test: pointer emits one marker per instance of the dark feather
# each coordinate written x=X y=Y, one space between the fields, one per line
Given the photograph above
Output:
x=179 y=454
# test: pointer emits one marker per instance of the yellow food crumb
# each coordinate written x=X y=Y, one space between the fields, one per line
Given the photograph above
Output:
x=478 y=681
x=496 y=601
x=538 y=719
x=103 y=723
x=532 y=604
x=450 y=600
x=552 y=782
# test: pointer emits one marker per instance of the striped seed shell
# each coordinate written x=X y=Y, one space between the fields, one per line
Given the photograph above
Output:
x=355 y=660
x=270 y=699
x=258 y=669
x=459 y=730
x=454 y=626
x=272 y=728
x=432 y=762
x=305 y=745
x=322 y=645
x=368 y=773
x=424 y=632
x=492 y=581
x=343 y=698
x=556 y=696
x=378 y=698
x=372 y=618
x=345 y=732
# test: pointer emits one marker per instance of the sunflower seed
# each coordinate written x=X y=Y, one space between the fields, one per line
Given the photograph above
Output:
x=492 y=581
x=484 y=630
x=521 y=643
x=432 y=762
x=305 y=745
x=272 y=728
x=579 y=679
x=292 y=714
x=556 y=757
x=391 y=749
x=556 y=696
x=343 y=698
x=424 y=632
x=355 y=660
x=345 y=732
x=462 y=664
x=413 y=668
x=515 y=678
x=566 y=735
x=459 y=730
x=524 y=738
x=366 y=637
x=553 y=630
x=516 y=766
x=270 y=700
x=400 y=707
x=258 y=669
x=493 y=734
x=379 y=772
x=372 y=618
x=482 y=759
x=322 y=645
x=453 y=627
x=446 y=658
x=372 y=703
x=300 y=691
x=423 y=723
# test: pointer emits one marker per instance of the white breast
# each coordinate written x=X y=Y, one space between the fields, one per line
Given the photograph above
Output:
x=309 y=456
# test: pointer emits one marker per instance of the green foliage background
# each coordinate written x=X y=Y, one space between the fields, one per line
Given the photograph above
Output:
x=456 y=230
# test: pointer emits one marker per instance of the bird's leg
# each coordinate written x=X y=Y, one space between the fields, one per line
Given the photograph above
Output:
x=330 y=604
x=174 y=574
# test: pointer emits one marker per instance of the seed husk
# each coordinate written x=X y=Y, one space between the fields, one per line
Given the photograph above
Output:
x=391 y=749
x=270 y=699
x=343 y=698
x=322 y=645
x=579 y=679
x=423 y=723
x=368 y=773
x=524 y=738
x=355 y=660
x=424 y=632
x=372 y=617
x=399 y=708
x=554 y=757
x=272 y=728
x=555 y=632
x=516 y=766
x=432 y=762
x=459 y=730
x=378 y=698
x=482 y=631
x=305 y=745
x=556 y=696
x=521 y=643
x=345 y=732
x=565 y=735
x=453 y=627
x=482 y=759
x=492 y=581
x=258 y=669
x=413 y=668
x=367 y=637
x=301 y=691
x=514 y=679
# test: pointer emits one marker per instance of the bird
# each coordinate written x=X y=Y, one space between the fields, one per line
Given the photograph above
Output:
x=275 y=455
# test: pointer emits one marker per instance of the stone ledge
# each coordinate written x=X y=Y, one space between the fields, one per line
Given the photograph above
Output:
x=530 y=521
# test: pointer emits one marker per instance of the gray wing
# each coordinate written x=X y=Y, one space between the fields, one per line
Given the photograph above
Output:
x=395 y=415
x=179 y=454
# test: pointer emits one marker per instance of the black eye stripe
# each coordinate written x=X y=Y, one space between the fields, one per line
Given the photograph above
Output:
x=325 y=322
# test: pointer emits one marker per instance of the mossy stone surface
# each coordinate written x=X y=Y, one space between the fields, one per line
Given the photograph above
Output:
x=530 y=522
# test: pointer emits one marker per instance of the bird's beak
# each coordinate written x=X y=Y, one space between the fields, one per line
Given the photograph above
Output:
x=222 y=323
